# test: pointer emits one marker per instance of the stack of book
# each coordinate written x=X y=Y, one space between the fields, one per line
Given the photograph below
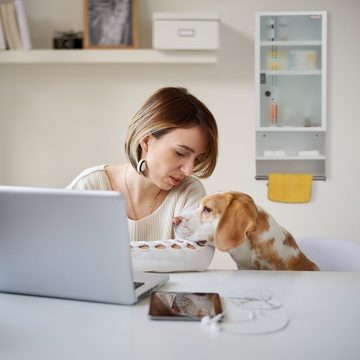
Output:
x=14 y=30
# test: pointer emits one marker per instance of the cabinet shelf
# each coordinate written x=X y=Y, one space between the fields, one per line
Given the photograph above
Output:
x=289 y=157
x=290 y=129
x=108 y=56
x=291 y=72
x=291 y=43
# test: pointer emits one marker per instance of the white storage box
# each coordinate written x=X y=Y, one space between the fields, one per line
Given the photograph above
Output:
x=183 y=31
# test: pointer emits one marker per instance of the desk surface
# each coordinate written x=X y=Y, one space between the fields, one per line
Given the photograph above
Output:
x=323 y=309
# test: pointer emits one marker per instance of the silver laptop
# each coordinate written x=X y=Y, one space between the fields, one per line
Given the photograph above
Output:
x=68 y=244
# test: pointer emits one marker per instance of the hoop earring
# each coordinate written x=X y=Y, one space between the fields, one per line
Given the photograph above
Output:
x=141 y=166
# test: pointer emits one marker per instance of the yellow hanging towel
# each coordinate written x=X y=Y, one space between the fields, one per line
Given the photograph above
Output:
x=290 y=188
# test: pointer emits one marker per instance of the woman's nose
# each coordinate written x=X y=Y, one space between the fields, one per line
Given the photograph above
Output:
x=188 y=168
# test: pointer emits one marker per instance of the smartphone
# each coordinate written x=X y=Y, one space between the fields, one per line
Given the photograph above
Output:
x=166 y=305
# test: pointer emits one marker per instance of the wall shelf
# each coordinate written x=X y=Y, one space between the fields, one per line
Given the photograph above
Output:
x=108 y=56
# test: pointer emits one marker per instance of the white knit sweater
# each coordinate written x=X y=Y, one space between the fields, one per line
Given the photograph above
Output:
x=154 y=232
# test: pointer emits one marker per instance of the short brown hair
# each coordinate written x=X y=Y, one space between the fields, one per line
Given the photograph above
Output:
x=168 y=109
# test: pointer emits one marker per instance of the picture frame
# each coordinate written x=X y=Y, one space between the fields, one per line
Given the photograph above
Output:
x=110 y=24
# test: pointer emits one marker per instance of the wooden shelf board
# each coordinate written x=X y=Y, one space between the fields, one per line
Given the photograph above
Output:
x=111 y=56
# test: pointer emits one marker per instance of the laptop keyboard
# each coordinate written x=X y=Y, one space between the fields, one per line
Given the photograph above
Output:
x=138 y=284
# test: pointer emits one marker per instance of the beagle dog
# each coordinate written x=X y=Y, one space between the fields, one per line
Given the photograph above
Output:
x=234 y=223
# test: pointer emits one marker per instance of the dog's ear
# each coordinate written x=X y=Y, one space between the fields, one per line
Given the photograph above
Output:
x=238 y=220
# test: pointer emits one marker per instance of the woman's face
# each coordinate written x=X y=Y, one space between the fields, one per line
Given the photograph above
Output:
x=173 y=156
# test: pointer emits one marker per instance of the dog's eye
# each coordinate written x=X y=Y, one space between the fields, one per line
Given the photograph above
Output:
x=206 y=210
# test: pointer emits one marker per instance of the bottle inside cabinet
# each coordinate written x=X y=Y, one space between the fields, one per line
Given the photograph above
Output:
x=291 y=27
x=285 y=101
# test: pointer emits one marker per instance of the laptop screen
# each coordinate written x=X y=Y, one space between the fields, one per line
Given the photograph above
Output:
x=65 y=243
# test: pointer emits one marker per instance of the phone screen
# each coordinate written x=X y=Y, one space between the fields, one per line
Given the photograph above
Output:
x=183 y=305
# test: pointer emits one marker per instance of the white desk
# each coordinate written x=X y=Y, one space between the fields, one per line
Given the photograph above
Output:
x=323 y=307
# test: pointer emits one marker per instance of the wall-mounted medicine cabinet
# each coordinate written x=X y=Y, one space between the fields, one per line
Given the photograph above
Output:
x=290 y=75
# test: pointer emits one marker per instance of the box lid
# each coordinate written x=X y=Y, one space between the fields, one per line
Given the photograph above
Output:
x=186 y=16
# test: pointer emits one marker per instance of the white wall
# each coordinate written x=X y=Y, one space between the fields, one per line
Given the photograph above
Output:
x=56 y=120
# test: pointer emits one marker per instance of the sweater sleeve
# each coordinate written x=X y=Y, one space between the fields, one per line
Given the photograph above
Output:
x=93 y=178
x=171 y=255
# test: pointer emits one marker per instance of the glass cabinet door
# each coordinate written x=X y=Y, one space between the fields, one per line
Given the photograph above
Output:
x=290 y=70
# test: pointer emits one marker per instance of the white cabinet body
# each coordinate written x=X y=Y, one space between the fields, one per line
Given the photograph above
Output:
x=290 y=78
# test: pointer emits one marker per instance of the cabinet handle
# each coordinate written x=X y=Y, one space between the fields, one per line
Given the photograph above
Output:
x=186 y=32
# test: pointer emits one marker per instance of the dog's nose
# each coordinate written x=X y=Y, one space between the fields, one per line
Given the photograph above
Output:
x=177 y=220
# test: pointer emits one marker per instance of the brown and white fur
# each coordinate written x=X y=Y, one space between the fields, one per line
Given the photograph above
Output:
x=234 y=223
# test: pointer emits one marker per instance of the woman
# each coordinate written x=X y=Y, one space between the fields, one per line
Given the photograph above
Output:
x=171 y=137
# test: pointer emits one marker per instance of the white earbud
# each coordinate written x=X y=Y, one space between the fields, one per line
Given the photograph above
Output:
x=206 y=321
x=212 y=323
